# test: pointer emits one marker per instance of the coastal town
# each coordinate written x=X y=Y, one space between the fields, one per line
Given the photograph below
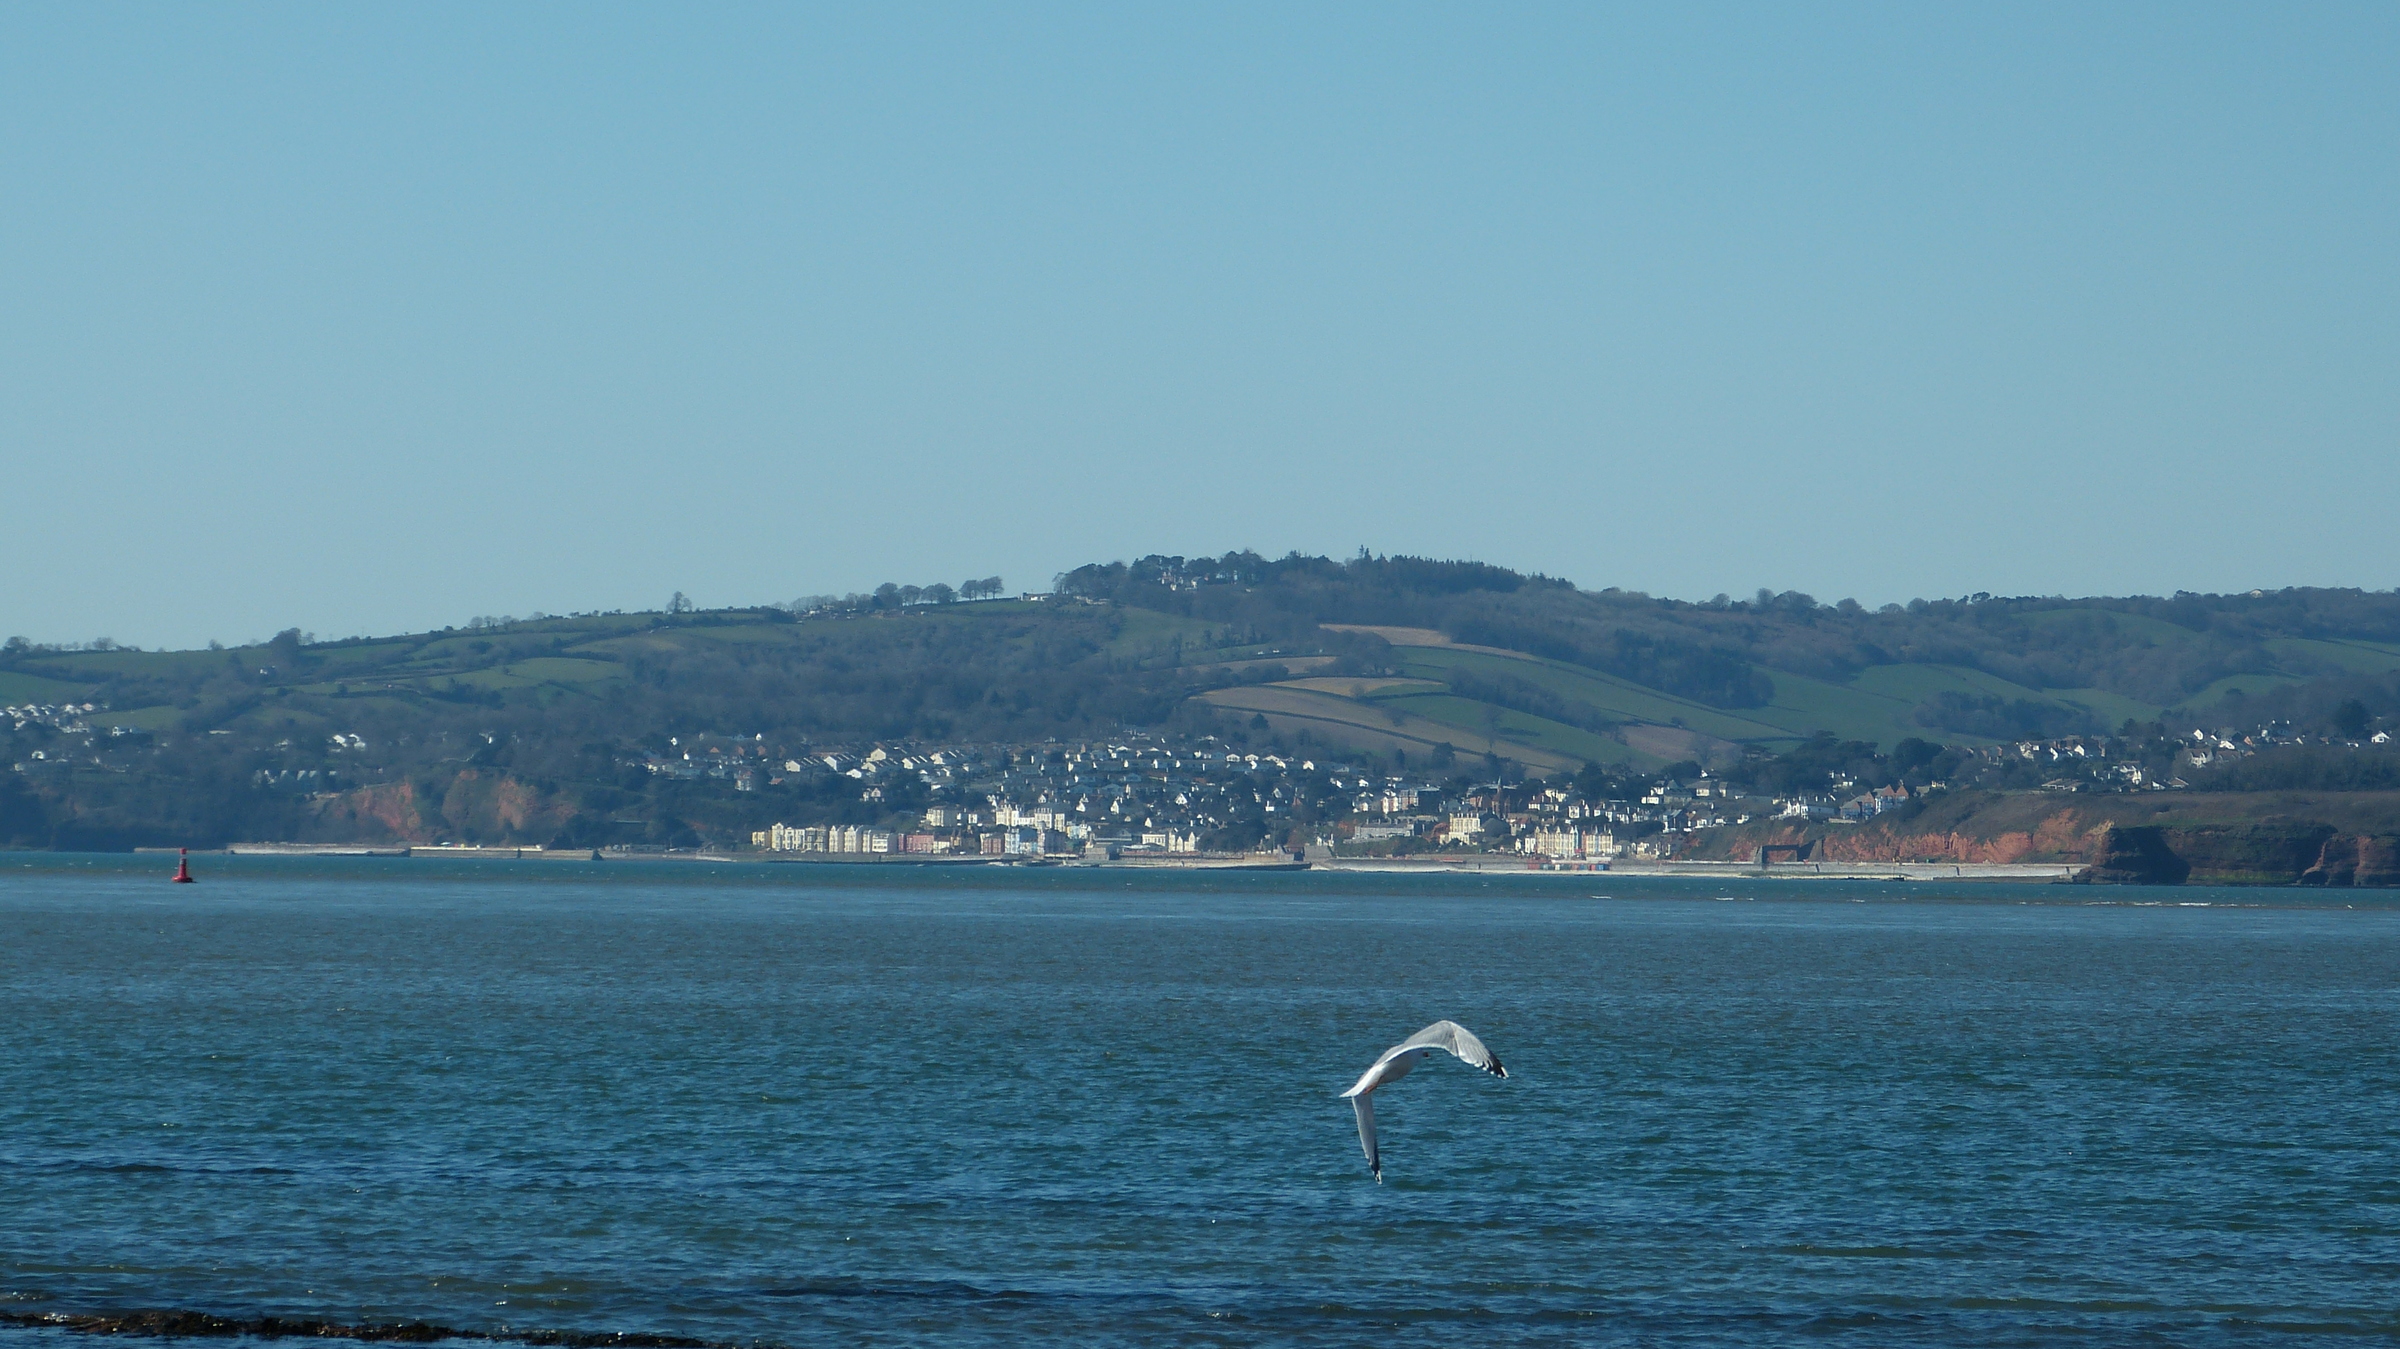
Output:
x=1142 y=797
x=1248 y=796
x=1181 y=711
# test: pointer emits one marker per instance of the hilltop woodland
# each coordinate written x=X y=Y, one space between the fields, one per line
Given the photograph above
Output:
x=555 y=729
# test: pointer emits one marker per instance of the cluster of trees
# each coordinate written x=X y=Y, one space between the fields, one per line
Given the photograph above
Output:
x=994 y=677
x=2349 y=706
x=195 y=790
x=2158 y=650
x=892 y=595
x=2304 y=768
x=25 y=646
x=1823 y=758
x=1995 y=718
x=1342 y=585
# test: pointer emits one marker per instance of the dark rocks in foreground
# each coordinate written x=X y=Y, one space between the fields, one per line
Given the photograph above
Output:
x=202 y=1325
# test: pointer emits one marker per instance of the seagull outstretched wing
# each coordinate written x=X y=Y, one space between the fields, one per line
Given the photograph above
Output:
x=1364 y=1103
x=1458 y=1040
x=1398 y=1061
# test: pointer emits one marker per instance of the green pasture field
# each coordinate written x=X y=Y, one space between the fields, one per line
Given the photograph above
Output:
x=1384 y=726
x=1916 y=683
x=2356 y=657
x=1879 y=711
x=1877 y=707
x=1366 y=686
x=565 y=671
x=1251 y=653
x=1298 y=665
x=1617 y=698
x=361 y=706
x=748 y=633
x=1913 y=684
x=2113 y=709
x=365 y=656
x=139 y=718
x=18 y=688
x=2215 y=693
x=1145 y=632
x=294 y=717
x=1803 y=706
x=491 y=677
x=94 y=666
x=1523 y=728
x=439 y=650
x=616 y=646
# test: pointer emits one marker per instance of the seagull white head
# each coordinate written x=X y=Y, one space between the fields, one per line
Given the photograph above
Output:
x=1401 y=1059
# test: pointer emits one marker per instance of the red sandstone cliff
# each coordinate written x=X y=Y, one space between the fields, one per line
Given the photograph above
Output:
x=2215 y=838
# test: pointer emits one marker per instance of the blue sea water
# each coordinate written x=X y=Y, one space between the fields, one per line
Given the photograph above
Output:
x=824 y=1105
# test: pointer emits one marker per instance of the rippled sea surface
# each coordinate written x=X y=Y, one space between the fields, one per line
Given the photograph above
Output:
x=820 y=1105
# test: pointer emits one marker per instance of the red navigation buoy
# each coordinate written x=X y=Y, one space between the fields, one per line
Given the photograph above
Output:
x=183 y=866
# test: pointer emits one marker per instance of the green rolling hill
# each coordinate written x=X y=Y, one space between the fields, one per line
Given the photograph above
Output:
x=1390 y=658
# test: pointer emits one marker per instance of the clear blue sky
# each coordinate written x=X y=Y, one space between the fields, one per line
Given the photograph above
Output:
x=363 y=318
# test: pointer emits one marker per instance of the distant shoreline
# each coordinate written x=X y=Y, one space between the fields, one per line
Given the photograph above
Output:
x=1497 y=864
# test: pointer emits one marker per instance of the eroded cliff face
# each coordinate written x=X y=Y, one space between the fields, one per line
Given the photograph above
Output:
x=495 y=806
x=2054 y=837
x=2276 y=844
x=2058 y=836
x=474 y=806
x=2138 y=856
x=2251 y=854
x=384 y=813
x=2360 y=859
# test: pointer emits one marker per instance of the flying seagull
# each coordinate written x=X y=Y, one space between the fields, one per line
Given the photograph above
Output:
x=1398 y=1061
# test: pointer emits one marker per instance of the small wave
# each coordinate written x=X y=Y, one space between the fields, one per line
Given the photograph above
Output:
x=1868 y=1252
x=936 y=1290
x=132 y=1168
